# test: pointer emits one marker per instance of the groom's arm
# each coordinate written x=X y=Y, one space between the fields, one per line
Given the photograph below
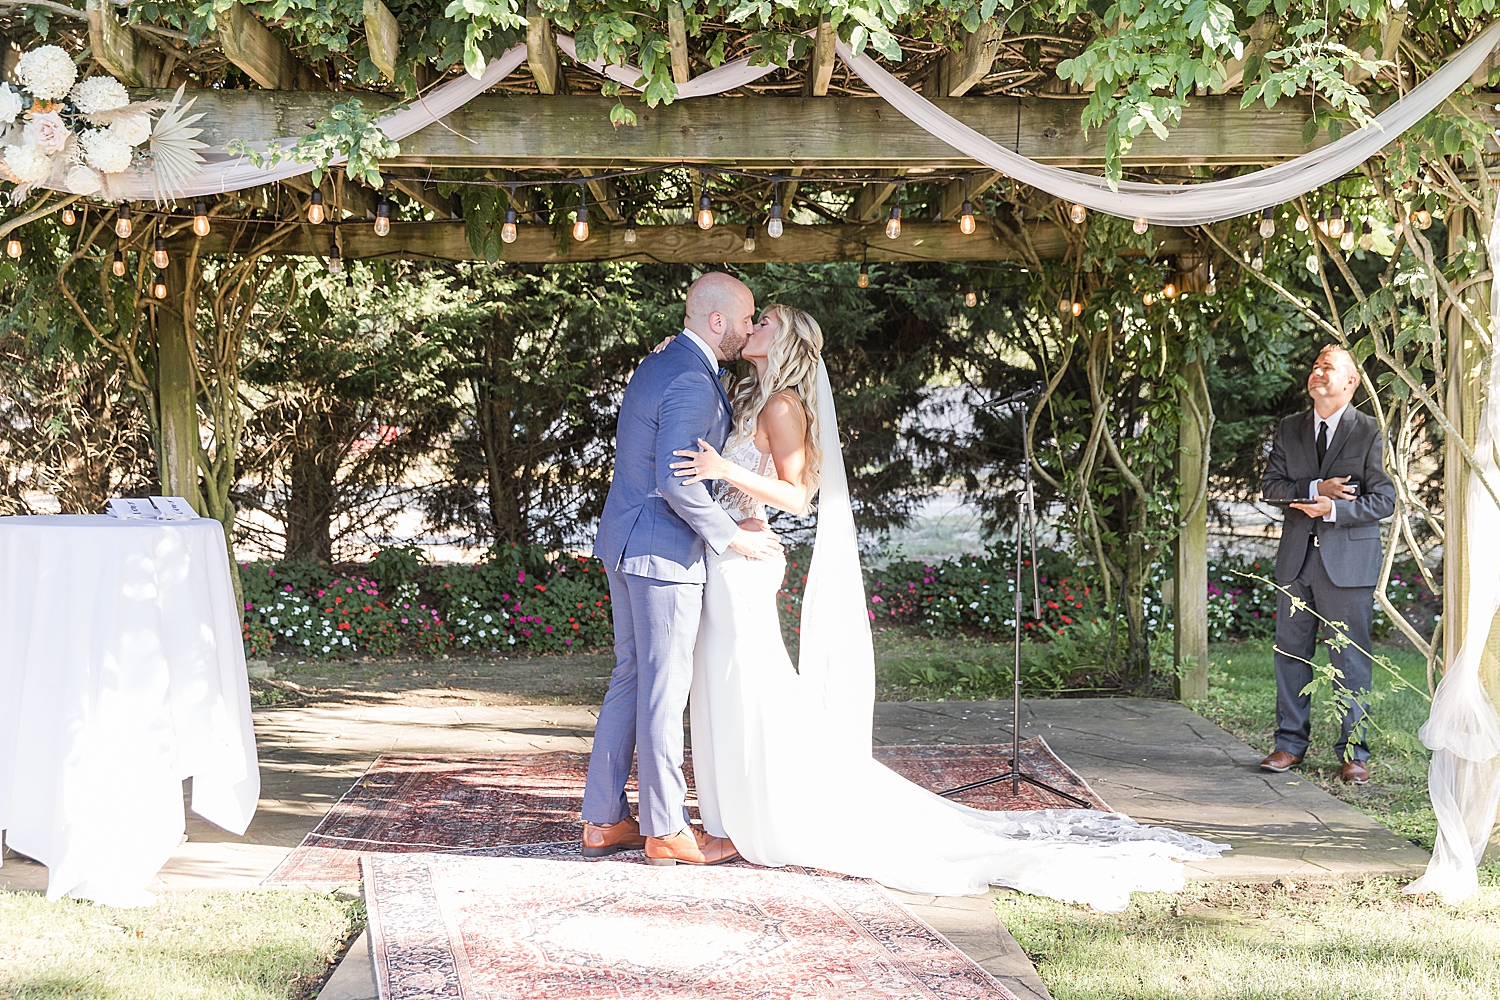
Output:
x=689 y=407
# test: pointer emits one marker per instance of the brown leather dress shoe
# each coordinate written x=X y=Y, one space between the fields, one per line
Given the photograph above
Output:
x=689 y=847
x=1281 y=761
x=1356 y=772
x=599 y=841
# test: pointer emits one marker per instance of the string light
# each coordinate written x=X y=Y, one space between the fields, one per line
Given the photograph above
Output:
x=1323 y=221
x=581 y=219
x=971 y=299
x=1259 y=263
x=1336 y=222
x=705 y=211
x=1141 y=225
x=1267 y=223
x=1169 y=290
x=508 y=230
x=383 y=217
x=893 y=224
x=1346 y=241
x=1077 y=307
x=1148 y=299
x=200 y=218
x=1077 y=213
x=750 y=238
x=864 y=277
x=1301 y=223
x=335 y=258
x=122 y=221
x=315 y=208
x=159 y=257
x=773 y=224
x=966 y=223
x=118 y=264
x=159 y=289
x=1065 y=306
x=13 y=248
x=630 y=231
x=1423 y=218
x=1366 y=236
x=69 y=217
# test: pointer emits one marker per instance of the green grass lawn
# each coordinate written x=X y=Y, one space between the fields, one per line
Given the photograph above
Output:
x=189 y=946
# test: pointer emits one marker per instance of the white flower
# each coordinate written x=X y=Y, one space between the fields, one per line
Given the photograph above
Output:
x=84 y=180
x=48 y=72
x=10 y=103
x=105 y=151
x=99 y=93
x=133 y=130
x=28 y=164
x=47 y=131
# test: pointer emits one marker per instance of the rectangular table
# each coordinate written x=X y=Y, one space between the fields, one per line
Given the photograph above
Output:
x=122 y=672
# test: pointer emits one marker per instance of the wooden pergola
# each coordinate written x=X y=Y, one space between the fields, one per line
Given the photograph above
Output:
x=534 y=126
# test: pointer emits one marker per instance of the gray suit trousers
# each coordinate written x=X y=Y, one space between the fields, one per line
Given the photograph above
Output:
x=656 y=627
x=1297 y=640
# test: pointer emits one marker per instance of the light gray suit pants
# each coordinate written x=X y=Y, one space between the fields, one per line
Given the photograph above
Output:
x=656 y=627
x=1297 y=635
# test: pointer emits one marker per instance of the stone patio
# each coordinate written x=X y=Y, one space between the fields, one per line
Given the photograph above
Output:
x=1157 y=761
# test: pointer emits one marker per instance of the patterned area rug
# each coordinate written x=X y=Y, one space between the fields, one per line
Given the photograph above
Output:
x=425 y=802
x=445 y=926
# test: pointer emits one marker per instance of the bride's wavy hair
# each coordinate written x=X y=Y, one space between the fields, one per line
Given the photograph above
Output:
x=791 y=364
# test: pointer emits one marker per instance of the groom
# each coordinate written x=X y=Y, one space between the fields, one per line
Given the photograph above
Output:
x=651 y=537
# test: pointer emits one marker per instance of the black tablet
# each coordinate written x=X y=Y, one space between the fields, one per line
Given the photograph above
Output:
x=1277 y=502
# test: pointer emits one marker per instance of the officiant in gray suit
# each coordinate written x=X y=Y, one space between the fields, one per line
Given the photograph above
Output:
x=1330 y=458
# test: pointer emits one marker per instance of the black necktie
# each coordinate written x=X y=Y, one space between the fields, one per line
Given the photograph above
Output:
x=1322 y=440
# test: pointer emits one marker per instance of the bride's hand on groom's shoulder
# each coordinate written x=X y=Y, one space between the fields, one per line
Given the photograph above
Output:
x=700 y=465
x=663 y=345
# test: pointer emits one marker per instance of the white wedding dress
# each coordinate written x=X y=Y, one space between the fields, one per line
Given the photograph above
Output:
x=782 y=756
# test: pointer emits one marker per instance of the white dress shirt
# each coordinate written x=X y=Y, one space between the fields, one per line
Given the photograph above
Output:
x=713 y=359
x=1332 y=420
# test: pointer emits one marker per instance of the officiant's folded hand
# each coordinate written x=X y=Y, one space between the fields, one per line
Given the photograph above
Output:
x=755 y=541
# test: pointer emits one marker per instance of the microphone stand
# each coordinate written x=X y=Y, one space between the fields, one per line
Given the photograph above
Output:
x=1025 y=512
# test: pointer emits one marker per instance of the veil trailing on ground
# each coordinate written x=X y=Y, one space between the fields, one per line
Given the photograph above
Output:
x=837 y=658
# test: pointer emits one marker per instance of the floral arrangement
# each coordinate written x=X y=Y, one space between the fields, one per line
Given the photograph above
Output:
x=74 y=134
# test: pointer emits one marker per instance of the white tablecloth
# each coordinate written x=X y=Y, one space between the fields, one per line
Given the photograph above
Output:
x=122 y=672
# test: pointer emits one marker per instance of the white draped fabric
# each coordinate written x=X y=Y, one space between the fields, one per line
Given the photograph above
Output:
x=1463 y=730
x=122 y=672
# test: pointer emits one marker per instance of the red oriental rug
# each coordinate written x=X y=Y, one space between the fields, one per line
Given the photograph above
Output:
x=460 y=803
x=449 y=927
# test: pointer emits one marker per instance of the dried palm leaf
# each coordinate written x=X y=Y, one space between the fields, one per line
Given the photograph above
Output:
x=174 y=150
x=104 y=119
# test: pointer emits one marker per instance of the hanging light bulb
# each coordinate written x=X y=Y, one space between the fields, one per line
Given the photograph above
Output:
x=864 y=277
x=630 y=231
x=773 y=224
x=122 y=221
x=1169 y=290
x=1259 y=263
x=1346 y=241
x=13 y=248
x=1336 y=222
x=750 y=238
x=1077 y=307
x=1301 y=223
x=1077 y=213
x=1423 y=218
x=383 y=217
x=508 y=230
x=159 y=257
x=315 y=209
x=1267 y=223
x=335 y=259
x=966 y=223
x=970 y=299
x=69 y=217
x=200 y=218
x=159 y=289
x=1141 y=225
x=1323 y=221
x=705 y=212
x=1148 y=299
x=118 y=264
x=893 y=224
x=1064 y=306
x=1366 y=236
x=581 y=224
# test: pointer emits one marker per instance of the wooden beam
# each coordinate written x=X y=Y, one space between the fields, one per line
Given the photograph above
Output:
x=953 y=195
x=252 y=47
x=1390 y=41
x=604 y=197
x=10 y=54
x=682 y=72
x=383 y=36
x=872 y=198
x=821 y=60
x=836 y=133
x=119 y=50
x=957 y=72
x=1262 y=33
x=541 y=50
x=428 y=197
x=920 y=241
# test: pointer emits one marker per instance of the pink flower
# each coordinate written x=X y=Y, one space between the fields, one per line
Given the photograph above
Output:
x=48 y=131
x=877 y=599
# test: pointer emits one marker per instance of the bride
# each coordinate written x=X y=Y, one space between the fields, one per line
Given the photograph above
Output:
x=782 y=755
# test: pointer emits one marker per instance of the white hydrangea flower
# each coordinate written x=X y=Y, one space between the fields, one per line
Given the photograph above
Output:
x=105 y=151
x=48 y=72
x=133 y=130
x=10 y=103
x=28 y=164
x=99 y=93
x=84 y=180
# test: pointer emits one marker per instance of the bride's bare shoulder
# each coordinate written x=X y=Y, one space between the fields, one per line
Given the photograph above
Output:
x=785 y=410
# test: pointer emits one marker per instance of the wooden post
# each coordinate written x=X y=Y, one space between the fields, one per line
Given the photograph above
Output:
x=265 y=58
x=119 y=51
x=177 y=391
x=541 y=50
x=677 y=38
x=1190 y=617
x=821 y=60
x=383 y=36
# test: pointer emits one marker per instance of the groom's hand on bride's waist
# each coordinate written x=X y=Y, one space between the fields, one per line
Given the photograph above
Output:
x=754 y=540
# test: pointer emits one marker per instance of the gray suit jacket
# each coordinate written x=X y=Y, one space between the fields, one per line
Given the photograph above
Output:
x=1351 y=543
x=653 y=525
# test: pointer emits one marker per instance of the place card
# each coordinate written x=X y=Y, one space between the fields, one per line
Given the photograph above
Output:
x=132 y=509
x=174 y=509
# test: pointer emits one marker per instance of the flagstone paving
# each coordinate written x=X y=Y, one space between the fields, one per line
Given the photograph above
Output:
x=1157 y=761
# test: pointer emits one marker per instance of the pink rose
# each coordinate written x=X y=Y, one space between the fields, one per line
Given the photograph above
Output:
x=48 y=131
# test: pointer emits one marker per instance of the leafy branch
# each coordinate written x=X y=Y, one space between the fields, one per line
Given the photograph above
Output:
x=348 y=133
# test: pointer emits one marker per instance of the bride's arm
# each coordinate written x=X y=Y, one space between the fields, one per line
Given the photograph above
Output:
x=785 y=424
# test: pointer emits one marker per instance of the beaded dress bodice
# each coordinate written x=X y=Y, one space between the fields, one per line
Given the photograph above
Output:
x=740 y=505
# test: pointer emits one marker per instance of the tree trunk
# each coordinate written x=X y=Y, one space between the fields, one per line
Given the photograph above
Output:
x=1190 y=604
x=312 y=495
x=176 y=393
x=504 y=468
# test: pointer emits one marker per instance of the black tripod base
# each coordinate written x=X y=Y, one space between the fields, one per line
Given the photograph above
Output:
x=1016 y=777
